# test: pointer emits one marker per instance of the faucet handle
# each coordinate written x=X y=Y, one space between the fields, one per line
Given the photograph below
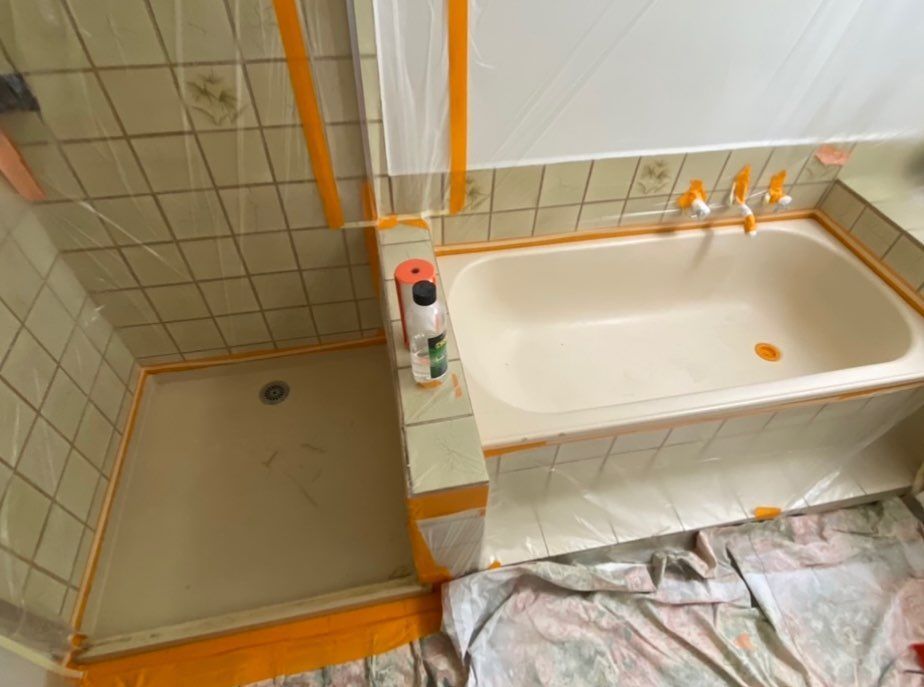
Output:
x=775 y=195
x=694 y=200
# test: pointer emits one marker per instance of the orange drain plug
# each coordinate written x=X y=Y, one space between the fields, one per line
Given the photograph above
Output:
x=768 y=352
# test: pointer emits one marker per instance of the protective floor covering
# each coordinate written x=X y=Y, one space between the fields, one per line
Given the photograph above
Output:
x=831 y=599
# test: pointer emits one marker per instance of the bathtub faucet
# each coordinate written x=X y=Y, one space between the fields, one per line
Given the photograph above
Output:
x=739 y=198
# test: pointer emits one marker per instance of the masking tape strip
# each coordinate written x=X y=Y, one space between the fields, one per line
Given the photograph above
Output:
x=15 y=169
x=309 y=114
x=458 y=102
x=447 y=502
x=286 y=649
x=392 y=221
x=428 y=570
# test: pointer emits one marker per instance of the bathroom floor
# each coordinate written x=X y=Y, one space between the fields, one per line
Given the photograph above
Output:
x=228 y=504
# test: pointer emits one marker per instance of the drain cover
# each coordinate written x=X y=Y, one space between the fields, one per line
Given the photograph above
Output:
x=768 y=352
x=274 y=392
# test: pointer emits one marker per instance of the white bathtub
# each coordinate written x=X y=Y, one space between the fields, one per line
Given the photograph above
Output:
x=589 y=337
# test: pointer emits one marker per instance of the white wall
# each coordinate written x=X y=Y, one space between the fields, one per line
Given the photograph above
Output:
x=554 y=80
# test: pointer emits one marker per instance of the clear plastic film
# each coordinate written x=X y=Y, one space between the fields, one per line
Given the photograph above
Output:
x=162 y=199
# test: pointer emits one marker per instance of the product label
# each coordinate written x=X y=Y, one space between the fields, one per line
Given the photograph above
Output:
x=438 y=358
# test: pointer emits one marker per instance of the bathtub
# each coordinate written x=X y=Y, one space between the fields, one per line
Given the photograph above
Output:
x=590 y=338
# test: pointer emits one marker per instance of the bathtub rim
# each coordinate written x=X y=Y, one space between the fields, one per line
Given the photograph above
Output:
x=849 y=390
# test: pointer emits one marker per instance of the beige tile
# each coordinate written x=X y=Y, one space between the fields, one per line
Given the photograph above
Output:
x=815 y=171
x=44 y=595
x=196 y=335
x=50 y=322
x=806 y=196
x=193 y=31
x=479 y=186
x=703 y=166
x=83 y=555
x=370 y=314
x=236 y=157
x=25 y=127
x=611 y=179
x=530 y=458
x=448 y=400
x=465 y=228
x=328 y=285
x=416 y=193
x=62 y=281
x=279 y=290
x=35 y=245
x=14 y=429
x=243 y=329
x=346 y=150
x=355 y=239
x=288 y=153
x=213 y=258
x=172 y=163
x=58 y=547
x=24 y=509
x=402 y=234
x=253 y=209
x=302 y=205
x=107 y=392
x=106 y=168
x=146 y=99
x=50 y=169
x=28 y=368
x=93 y=436
x=267 y=252
x=257 y=30
x=15 y=573
x=194 y=214
x=638 y=441
x=328 y=29
x=157 y=263
x=123 y=308
x=877 y=233
x=44 y=457
x=516 y=187
x=737 y=159
x=336 y=85
x=64 y=404
x=907 y=258
x=133 y=220
x=21 y=282
x=147 y=340
x=119 y=358
x=81 y=360
x=100 y=270
x=177 y=302
x=842 y=206
x=272 y=93
x=290 y=323
x=556 y=220
x=790 y=158
x=228 y=296
x=217 y=96
x=444 y=455
x=600 y=215
x=512 y=224
x=116 y=32
x=77 y=486
x=52 y=42
x=564 y=183
x=320 y=248
x=73 y=105
x=643 y=210
x=333 y=318
x=72 y=226
x=656 y=175
x=395 y=254
x=9 y=325
x=582 y=450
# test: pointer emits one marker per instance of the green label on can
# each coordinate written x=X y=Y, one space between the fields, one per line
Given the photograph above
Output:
x=438 y=358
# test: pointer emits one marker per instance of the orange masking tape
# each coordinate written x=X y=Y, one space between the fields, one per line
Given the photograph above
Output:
x=447 y=502
x=458 y=102
x=265 y=653
x=308 y=111
x=428 y=570
x=766 y=512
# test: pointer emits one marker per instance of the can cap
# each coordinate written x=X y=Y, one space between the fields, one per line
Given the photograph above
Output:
x=424 y=293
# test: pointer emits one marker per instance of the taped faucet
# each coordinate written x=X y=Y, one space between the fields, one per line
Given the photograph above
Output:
x=775 y=195
x=739 y=198
x=694 y=200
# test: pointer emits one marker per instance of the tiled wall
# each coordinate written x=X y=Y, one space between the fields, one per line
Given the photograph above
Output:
x=574 y=196
x=65 y=380
x=899 y=249
x=180 y=189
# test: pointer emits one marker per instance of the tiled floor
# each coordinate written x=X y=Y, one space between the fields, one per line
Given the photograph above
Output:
x=228 y=504
x=541 y=511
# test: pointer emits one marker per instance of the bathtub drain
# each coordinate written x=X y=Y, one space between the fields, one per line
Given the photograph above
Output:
x=274 y=392
x=768 y=352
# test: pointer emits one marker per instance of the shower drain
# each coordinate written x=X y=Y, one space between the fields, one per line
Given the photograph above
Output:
x=274 y=392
